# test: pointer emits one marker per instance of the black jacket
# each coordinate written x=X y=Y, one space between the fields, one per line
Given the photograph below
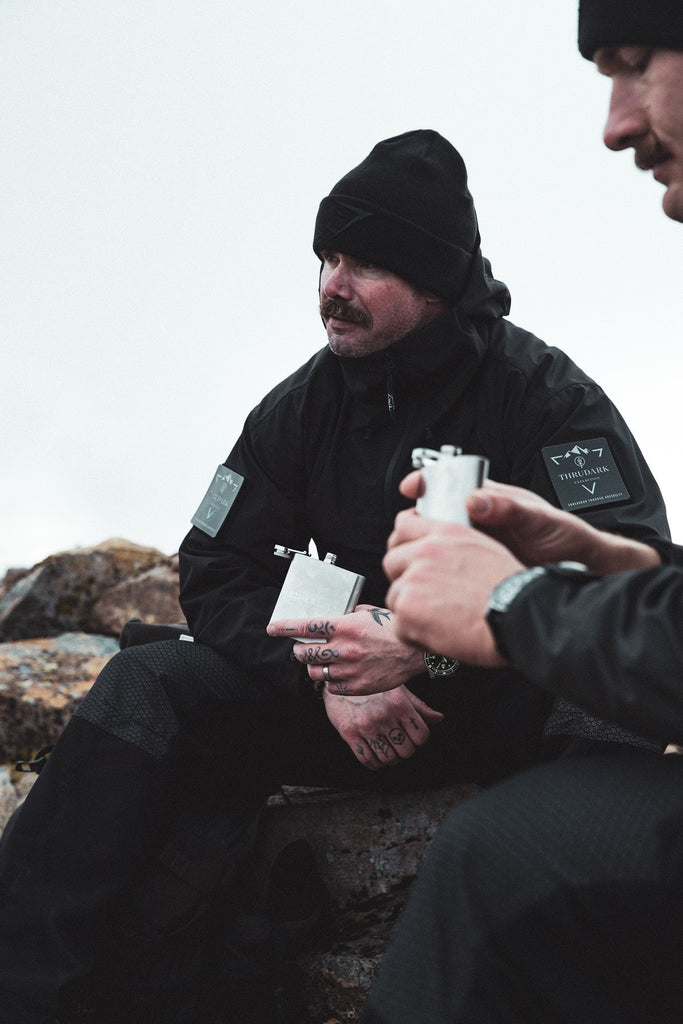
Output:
x=323 y=453
x=612 y=645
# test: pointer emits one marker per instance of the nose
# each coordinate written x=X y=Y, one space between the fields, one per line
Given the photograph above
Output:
x=626 y=120
x=335 y=281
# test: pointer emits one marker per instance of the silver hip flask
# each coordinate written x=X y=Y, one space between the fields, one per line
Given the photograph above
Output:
x=315 y=588
x=449 y=476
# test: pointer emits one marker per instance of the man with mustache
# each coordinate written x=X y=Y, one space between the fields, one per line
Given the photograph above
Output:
x=646 y=112
x=127 y=854
x=557 y=895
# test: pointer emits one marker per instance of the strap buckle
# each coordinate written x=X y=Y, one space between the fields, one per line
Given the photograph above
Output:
x=37 y=763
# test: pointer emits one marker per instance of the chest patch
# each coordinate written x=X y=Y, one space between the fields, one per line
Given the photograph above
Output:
x=584 y=474
x=218 y=500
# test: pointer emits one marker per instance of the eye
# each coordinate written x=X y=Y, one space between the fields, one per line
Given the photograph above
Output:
x=637 y=58
x=330 y=258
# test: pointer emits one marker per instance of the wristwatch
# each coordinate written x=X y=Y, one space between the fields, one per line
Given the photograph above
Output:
x=439 y=665
x=507 y=590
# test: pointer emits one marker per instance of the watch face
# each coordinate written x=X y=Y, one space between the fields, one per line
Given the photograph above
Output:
x=439 y=665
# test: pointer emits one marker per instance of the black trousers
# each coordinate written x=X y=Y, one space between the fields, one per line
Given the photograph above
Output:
x=150 y=798
x=555 y=897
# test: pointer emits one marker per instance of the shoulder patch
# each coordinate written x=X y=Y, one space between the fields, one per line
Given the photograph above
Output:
x=218 y=500
x=584 y=474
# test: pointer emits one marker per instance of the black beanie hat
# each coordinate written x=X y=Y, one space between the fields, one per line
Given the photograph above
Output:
x=630 y=23
x=407 y=208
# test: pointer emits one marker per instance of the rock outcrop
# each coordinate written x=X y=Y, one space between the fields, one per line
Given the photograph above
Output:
x=59 y=624
x=93 y=590
x=41 y=684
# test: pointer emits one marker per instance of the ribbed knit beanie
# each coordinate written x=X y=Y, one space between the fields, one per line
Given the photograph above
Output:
x=406 y=207
x=630 y=23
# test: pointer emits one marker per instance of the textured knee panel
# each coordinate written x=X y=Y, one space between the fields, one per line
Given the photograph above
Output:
x=138 y=692
x=128 y=700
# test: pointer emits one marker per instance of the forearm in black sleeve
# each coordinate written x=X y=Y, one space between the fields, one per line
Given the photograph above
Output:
x=229 y=583
x=228 y=602
x=612 y=645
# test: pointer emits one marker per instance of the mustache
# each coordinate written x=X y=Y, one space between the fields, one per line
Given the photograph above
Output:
x=343 y=310
x=651 y=155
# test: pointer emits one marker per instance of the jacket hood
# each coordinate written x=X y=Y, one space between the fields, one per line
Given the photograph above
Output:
x=484 y=297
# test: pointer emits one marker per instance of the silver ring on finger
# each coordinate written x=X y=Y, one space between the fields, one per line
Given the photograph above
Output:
x=326 y=673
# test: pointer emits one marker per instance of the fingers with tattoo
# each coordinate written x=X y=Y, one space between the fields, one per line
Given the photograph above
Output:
x=382 y=748
x=338 y=687
x=320 y=654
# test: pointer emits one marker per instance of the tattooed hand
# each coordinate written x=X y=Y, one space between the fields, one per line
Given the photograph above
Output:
x=355 y=654
x=384 y=728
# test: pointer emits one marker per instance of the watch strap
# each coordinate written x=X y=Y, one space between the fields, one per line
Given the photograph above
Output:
x=508 y=589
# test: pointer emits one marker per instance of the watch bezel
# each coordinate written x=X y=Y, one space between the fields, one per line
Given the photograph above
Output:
x=440 y=665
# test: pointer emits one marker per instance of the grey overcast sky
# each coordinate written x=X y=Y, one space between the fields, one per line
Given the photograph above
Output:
x=161 y=165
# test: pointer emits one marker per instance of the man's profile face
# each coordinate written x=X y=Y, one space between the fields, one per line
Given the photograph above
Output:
x=366 y=308
x=646 y=113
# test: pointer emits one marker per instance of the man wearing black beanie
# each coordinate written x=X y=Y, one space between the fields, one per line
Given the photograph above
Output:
x=639 y=45
x=557 y=895
x=121 y=869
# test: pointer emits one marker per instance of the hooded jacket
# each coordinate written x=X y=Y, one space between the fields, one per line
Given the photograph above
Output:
x=323 y=453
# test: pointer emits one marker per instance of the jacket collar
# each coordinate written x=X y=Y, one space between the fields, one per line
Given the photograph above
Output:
x=416 y=362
